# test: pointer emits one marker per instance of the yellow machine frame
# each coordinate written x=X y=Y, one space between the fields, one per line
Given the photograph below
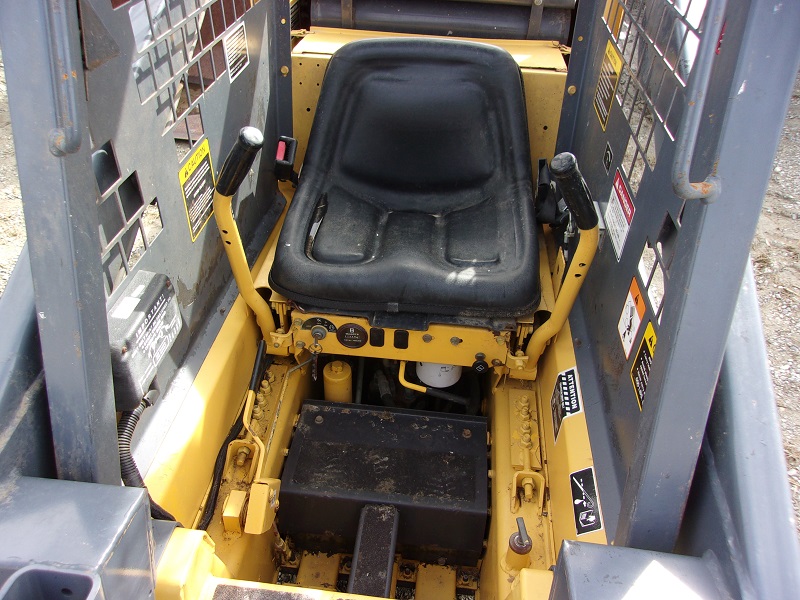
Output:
x=530 y=467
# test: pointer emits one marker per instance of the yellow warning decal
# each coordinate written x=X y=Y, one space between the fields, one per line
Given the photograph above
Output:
x=607 y=82
x=197 y=184
x=640 y=370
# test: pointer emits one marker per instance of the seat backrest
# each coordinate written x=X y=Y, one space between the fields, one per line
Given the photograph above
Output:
x=436 y=121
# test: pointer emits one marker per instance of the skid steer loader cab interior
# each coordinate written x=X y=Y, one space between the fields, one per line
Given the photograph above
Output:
x=428 y=300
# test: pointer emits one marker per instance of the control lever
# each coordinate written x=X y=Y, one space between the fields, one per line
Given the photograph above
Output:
x=234 y=170
x=519 y=548
x=564 y=168
x=520 y=542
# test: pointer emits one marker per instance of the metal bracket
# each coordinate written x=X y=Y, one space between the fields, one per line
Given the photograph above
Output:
x=263 y=506
x=347 y=14
x=535 y=21
x=280 y=340
x=251 y=450
x=524 y=479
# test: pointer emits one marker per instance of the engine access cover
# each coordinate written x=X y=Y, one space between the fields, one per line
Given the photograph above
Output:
x=432 y=466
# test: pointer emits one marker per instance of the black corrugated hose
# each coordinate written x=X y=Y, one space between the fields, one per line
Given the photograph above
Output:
x=130 y=472
x=262 y=363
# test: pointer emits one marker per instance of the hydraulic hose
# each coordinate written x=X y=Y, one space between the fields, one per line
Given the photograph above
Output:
x=130 y=472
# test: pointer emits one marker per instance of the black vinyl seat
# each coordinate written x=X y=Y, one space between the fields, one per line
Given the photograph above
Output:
x=416 y=193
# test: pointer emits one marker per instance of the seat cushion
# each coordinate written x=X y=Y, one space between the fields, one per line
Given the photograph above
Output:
x=416 y=193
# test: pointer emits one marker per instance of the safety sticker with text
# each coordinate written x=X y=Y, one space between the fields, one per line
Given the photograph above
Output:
x=566 y=398
x=631 y=318
x=619 y=214
x=197 y=183
x=585 y=502
x=640 y=370
x=607 y=83
x=236 y=55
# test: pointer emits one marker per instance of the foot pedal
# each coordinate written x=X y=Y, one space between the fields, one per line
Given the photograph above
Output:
x=373 y=556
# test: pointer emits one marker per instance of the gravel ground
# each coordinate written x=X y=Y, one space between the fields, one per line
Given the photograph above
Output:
x=12 y=224
x=775 y=255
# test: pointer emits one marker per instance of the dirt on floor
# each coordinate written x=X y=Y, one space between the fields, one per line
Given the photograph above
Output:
x=775 y=254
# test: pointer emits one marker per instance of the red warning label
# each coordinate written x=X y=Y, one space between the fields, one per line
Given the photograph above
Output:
x=619 y=214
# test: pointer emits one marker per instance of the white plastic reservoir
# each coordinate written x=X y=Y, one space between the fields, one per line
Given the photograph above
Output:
x=438 y=375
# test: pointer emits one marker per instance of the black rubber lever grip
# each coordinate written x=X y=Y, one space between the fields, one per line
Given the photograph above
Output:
x=564 y=168
x=239 y=160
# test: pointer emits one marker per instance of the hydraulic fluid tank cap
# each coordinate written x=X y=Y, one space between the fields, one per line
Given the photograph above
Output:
x=437 y=375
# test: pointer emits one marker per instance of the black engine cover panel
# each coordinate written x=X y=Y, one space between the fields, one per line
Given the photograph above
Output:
x=432 y=466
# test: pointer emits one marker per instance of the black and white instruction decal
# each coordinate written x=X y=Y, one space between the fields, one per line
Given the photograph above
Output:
x=619 y=214
x=640 y=370
x=585 y=503
x=158 y=330
x=236 y=56
x=566 y=398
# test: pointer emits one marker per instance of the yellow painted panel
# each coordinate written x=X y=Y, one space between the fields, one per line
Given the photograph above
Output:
x=528 y=53
x=532 y=584
x=496 y=579
x=572 y=452
x=181 y=472
x=435 y=583
x=544 y=91
x=187 y=563
x=439 y=347
x=318 y=570
x=180 y=475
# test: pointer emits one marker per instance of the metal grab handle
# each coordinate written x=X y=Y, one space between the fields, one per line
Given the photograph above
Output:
x=708 y=189
x=66 y=137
